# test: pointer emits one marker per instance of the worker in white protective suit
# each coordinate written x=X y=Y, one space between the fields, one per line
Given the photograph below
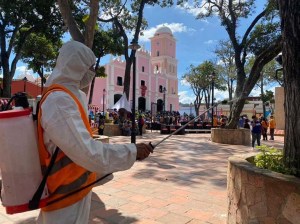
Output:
x=79 y=157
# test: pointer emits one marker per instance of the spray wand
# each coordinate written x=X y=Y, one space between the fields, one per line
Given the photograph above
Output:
x=182 y=127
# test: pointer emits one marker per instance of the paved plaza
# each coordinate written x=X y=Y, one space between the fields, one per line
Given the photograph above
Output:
x=183 y=181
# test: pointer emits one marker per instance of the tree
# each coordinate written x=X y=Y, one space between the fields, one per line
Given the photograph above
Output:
x=289 y=12
x=40 y=53
x=225 y=53
x=261 y=38
x=85 y=32
x=18 y=19
x=199 y=78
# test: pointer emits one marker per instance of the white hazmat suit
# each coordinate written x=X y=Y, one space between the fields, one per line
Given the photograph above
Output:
x=64 y=127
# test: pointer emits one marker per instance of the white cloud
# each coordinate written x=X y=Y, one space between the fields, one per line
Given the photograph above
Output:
x=175 y=27
x=183 y=82
x=22 y=68
x=189 y=8
x=186 y=97
x=210 y=41
x=21 y=71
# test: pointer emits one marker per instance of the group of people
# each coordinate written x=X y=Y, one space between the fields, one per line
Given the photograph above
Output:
x=259 y=127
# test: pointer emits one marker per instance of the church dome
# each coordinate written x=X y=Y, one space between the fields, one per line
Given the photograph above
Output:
x=163 y=29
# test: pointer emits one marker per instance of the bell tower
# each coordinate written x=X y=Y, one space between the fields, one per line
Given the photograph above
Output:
x=163 y=51
x=164 y=68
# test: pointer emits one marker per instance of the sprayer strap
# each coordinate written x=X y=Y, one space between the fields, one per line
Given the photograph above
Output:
x=35 y=201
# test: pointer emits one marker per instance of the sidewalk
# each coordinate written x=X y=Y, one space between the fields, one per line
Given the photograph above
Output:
x=184 y=181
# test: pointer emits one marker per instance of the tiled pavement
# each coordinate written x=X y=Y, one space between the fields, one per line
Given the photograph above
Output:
x=184 y=181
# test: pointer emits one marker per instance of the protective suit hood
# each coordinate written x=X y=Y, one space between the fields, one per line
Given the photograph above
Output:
x=73 y=62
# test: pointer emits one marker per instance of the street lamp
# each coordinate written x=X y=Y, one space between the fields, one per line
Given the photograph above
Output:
x=134 y=46
x=191 y=105
x=212 y=76
x=164 y=91
x=104 y=92
x=25 y=80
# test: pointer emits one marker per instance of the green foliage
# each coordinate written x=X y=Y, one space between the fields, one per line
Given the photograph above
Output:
x=272 y=159
x=38 y=51
x=267 y=96
x=19 y=19
x=100 y=72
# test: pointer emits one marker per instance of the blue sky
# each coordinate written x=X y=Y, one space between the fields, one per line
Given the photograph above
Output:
x=196 y=40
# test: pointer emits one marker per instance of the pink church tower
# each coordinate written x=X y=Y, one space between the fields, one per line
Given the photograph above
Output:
x=156 y=77
x=164 y=65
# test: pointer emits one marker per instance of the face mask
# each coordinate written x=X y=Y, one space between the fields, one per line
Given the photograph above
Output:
x=87 y=78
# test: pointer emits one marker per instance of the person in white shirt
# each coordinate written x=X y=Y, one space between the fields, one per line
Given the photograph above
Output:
x=64 y=127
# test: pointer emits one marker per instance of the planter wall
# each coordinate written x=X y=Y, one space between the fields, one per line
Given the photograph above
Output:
x=111 y=129
x=261 y=196
x=231 y=136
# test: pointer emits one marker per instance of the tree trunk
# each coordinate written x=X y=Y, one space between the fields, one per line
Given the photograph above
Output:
x=262 y=94
x=290 y=22
x=127 y=76
x=237 y=108
x=66 y=12
x=93 y=82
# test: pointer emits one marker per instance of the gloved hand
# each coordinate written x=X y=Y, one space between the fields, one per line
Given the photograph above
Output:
x=143 y=151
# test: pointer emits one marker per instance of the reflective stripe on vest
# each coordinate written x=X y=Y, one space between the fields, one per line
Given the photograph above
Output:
x=65 y=176
x=65 y=189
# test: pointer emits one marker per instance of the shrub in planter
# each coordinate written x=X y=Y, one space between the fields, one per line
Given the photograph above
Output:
x=272 y=159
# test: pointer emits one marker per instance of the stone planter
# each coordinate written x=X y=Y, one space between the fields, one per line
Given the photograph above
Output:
x=231 y=136
x=111 y=129
x=261 y=196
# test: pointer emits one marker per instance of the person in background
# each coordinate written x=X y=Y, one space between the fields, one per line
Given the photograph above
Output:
x=101 y=125
x=246 y=124
x=80 y=158
x=141 y=123
x=265 y=125
x=272 y=126
x=215 y=121
x=223 y=121
x=256 y=131
x=241 y=122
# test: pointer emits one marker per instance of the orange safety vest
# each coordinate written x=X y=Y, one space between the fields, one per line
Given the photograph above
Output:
x=65 y=176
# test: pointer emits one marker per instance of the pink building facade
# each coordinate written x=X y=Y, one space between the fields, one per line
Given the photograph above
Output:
x=156 y=77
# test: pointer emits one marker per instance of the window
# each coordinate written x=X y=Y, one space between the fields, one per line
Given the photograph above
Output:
x=160 y=88
x=119 y=81
x=143 y=69
x=142 y=82
x=157 y=53
x=156 y=69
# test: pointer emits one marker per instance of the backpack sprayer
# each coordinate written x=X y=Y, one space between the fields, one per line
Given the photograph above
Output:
x=19 y=161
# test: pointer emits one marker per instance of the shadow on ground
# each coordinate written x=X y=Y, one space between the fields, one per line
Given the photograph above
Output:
x=101 y=215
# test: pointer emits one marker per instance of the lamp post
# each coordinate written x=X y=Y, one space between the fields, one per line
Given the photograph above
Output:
x=25 y=80
x=191 y=105
x=213 y=75
x=104 y=92
x=164 y=91
x=134 y=46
